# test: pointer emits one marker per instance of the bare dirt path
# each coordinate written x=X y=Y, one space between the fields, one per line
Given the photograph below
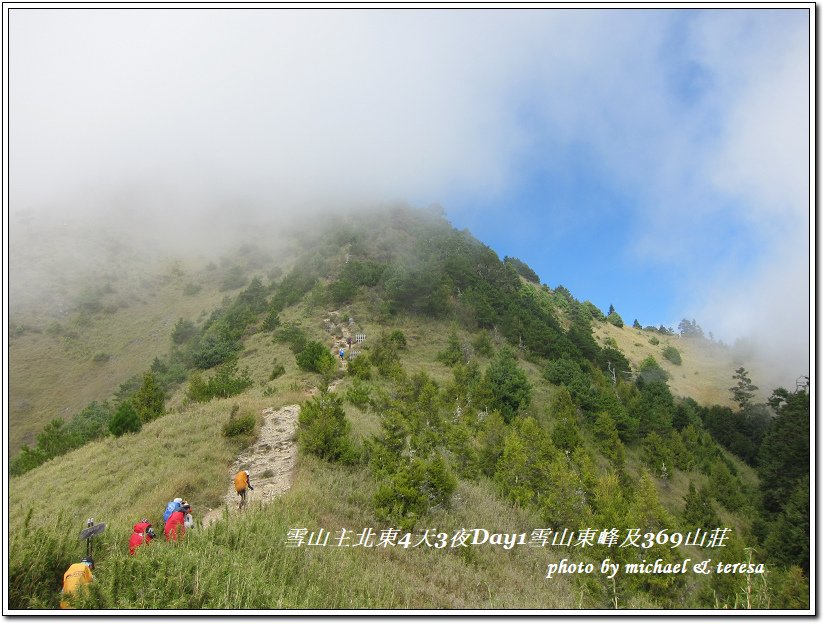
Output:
x=270 y=462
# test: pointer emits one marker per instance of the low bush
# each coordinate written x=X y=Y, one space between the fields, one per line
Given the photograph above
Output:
x=672 y=354
x=358 y=394
x=277 y=371
x=271 y=322
x=226 y=382
x=125 y=420
x=292 y=335
x=324 y=431
x=616 y=319
x=244 y=425
x=315 y=358
x=191 y=289
x=360 y=367
x=412 y=491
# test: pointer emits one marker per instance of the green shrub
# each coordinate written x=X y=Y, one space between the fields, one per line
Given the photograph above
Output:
x=672 y=354
x=412 y=491
x=384 y=356
x=90 y=423
x=217 y=345
x=277 y=371
x=562 y=371
x=523 y=269
x=323 y=429
x=149 y=399
x=101 y=357
x=233 y=279
x=594 y=312
x=125 y=420
x=358 y=394
x=191 y=289
x=271 y=322
x=616 y=319
x=60 y=437
x=654 y=341
x=244 y=425
x=292 y=335
x=27 y=459
x=650 y=371
x=341 y=291
x=224 y=383
x=452 y=354
x=297 y=283
x=360 y=367
x=483 y=345
x=508 y=385
x=397 y=338
x=183 y=331
x=315 y=358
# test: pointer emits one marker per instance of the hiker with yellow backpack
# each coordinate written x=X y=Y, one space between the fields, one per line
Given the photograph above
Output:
x=242 y=484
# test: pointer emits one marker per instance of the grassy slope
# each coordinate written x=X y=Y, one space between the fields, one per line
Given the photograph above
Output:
x=705 y=372
x=183 y=453
x=55 y=375
x=120 y=480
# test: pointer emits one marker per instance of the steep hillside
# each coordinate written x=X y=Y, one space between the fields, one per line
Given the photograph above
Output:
x=477 y=399
x=705 y=371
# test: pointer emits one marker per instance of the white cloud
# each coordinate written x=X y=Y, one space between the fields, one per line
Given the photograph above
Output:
x=291 y=108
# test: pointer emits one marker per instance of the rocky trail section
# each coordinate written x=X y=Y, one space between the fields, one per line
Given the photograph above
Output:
x=270 y=462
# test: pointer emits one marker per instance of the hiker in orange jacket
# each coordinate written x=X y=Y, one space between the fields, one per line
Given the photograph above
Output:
x=77 y=576
x=143 y=534
x=242 y=483
x=176 y=524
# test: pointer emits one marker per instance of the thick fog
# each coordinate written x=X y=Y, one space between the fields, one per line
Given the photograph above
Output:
x=189 y=128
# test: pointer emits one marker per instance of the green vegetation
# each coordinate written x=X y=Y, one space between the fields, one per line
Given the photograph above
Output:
x=239 y=426
x=226 y=382
x=481 y=399
x=523 y=269
x=615 y=319
x=315 y=358
x=125 y=420
x=324 y=431
x=673 y=355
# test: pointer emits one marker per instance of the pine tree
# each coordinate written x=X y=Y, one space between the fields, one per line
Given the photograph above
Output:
x=698 y=510
x=508 y=384
x=744 y=390
x=788 y=542
x=149 y=400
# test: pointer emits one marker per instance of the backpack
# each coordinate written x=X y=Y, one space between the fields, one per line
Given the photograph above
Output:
x=170 y=509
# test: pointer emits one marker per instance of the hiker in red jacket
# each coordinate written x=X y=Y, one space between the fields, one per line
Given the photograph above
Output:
x=176 y=522
x=143 y=534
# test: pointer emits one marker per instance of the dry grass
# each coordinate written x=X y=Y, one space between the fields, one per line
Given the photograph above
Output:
x=706 y=369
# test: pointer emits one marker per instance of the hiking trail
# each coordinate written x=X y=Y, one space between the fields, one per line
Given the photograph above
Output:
x=270 y=462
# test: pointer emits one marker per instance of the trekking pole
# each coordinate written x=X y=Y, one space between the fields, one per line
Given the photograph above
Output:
x=89 y=523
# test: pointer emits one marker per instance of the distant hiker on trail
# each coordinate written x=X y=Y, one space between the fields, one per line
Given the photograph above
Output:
x=172 y=507
x=242 y=483
x=176 y=524
x=341 y=353
x=349 y=341
x=78 y=575
x=143 y=534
